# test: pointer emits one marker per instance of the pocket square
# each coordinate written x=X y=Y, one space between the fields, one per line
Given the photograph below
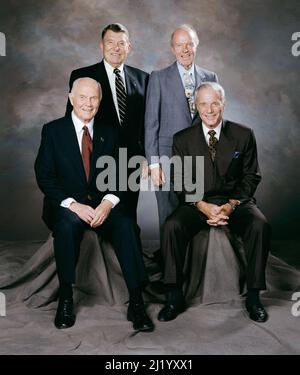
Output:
x=236 y=154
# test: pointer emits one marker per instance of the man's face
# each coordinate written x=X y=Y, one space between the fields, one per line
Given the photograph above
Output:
x=85 y=99
x=210 y=107
x=184 y=47
x=115 y=48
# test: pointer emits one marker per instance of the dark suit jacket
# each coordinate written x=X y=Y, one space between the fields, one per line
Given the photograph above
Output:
x=235 y=173
x=59 y=168
x=132 y=130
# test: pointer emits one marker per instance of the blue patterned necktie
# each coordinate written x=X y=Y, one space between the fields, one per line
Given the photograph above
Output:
x=189 y=89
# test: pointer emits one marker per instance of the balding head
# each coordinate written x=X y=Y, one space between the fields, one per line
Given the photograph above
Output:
x=184 y=42
x=85 y=97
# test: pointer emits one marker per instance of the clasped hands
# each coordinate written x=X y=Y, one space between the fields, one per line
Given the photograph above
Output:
x=93 y=217
x=217 y=215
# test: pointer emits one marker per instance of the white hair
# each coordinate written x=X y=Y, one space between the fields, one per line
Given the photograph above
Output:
x=189 y=29
x=215 y=86
x=78 y=80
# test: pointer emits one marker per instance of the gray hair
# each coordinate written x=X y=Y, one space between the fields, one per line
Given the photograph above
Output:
x=215 y=86
x=78 y=80
x=189 y=29
x=116 y=28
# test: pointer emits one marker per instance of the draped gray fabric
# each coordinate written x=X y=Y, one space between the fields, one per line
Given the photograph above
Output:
x=99 y=276
x=214 y=323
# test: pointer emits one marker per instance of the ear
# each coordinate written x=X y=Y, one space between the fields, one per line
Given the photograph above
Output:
x=101 y=45
x=71 y=97
x=173 y=50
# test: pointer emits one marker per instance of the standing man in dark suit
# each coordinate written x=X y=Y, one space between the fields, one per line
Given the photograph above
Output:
x=170 y=107
x=66 y=173
x=231 y=175
x=123 y=101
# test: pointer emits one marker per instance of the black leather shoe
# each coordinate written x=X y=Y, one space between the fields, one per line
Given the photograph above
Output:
x=257 y=312
x=65 y=318
x=136 y=314
x=170 y=312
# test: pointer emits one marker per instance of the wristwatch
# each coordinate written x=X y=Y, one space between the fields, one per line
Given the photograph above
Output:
x=233 y=203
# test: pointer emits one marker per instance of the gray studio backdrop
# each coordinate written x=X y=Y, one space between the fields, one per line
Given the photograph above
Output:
x=248 y=43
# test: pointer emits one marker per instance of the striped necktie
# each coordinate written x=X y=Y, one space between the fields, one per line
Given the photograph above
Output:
x=121 y=95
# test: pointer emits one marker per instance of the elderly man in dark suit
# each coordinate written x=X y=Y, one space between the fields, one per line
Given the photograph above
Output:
x=66 y=173
x=170 y=107
x=123 y=96
x=231 y=175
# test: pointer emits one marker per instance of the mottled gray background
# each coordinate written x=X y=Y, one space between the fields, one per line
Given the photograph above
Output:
x=248 y=43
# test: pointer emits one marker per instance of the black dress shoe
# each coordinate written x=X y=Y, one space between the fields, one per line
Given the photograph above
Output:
x=136 y=313
x=65 y=318
x=256 y=312
x=170 y=312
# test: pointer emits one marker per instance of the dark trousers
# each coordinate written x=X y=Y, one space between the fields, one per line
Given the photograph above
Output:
x=130 y=203
x=246 y=221
x=118 y=228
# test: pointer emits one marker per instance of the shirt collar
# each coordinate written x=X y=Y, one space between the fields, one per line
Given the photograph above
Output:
x=110 y=69
x=182 y=70
x=79 y=124
x=216 y=129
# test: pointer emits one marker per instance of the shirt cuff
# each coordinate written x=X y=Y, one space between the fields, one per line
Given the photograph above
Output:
x=112 y=198
x=67 y=202
x=154 y=165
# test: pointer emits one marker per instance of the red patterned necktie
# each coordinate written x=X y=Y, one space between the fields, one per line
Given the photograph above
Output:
x=86 y=150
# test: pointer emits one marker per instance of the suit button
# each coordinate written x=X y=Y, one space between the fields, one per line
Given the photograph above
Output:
x=89 y=197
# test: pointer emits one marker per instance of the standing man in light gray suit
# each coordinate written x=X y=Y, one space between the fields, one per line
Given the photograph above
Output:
x=170 y=107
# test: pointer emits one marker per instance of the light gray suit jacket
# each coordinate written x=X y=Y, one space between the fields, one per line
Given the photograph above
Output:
x=167 y=110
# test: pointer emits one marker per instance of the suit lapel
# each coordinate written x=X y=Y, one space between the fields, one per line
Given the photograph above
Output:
x=201 y=146
x=131 y=88
x=98 y=141
x=72 y=146
x=107 y=105
x=178 y=89
x=225 y=149
x=200 y=76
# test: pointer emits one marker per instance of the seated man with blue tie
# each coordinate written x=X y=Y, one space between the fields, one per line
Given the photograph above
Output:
x=66 y=173
x=231 y=175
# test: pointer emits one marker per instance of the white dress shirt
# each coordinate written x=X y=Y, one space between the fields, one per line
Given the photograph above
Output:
x=78 y=125
x=112 y=81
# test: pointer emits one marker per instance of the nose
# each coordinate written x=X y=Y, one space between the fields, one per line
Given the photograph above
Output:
x=185 y=48
x=210 y=108
x=88 y=102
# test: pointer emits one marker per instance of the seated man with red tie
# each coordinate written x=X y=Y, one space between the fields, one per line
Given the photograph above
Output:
x=66 y=173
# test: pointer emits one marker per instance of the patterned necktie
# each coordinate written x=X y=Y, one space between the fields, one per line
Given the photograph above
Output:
x=189 y=89
x=212 y=144
x=86 y=150
x=121 y=95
